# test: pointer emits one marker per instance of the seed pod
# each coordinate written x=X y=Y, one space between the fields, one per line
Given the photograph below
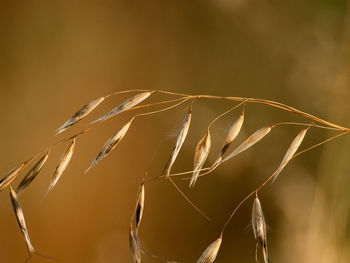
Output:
x=62 y=165
x=249 y=142
x=201 y=154
x=259 y=229
x=20 y=220
x=139 y=206
x=179 y=142
x=11 y=175
x=134 y=246
x=209 y=255
x=126 y=105
x=32 y=173
x=231 y=135
x=110 y=144
x=85 y=110
x=291 y=151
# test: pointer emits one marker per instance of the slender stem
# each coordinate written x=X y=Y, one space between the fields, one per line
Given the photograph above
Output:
x=188 y=200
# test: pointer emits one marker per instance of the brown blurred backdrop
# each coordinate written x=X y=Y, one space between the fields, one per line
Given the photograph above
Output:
x=57 y=55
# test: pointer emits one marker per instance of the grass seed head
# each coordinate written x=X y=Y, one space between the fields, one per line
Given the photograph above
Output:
x=291 y=151
x=84 y=111
x=62 y=165
x=32 y=173
x=10 y=176
x=201 y=154
x=249 y=142
x=20 y=219
x=179 y=142
x=126 y=105
x=209 y=255
x=259 y=228
x=110 y=144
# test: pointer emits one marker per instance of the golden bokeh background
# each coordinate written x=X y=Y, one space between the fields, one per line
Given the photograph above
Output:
x=55 y=56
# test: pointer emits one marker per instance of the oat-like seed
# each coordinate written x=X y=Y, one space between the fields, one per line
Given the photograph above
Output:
x=80 y=114
x=32 y=173
x=179 y=142
x=126 y=105
x=62 y=165
x=249 y=142
x=11 y=175
x=20 y=219
x=110 y=144
x=291 y=151
x=209 y=255
x=259 y=229
x=201 y=154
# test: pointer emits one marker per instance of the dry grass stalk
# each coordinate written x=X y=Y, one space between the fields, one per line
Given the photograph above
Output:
x=249 y=142
x=110 y=144
x=201 y=154
x=209 y=255
x=32 y=173
x=126 y=105
x=259 y=230
x=179 y=142
x=231 y=135
x=291 y=151
x=139 y=206
x=134 y=246
x=80 y=114
x=20 y=220
x=62 y=165
x=11 y=175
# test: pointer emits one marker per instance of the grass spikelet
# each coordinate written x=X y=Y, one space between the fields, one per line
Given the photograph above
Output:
x=10 y=176
x=20 y=220
x=249 y=142
x=81 y=113
x=65 y=159
x=126 y=105
x=32 y=173
x=139 y=206
x=231 y=135
x=179 y=142
x=290 y=152
x=110 y=144
x=209 y=255
x=201 y=154
x=259 y=229
x=134 y=246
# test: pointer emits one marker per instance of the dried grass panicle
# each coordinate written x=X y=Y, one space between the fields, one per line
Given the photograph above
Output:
x=32 y=173
x=80 y=114
x=179 y=142
x=259 y=229
x=209 y=255
x=62 y=165
x=201 y=154
x=291 y=151
x=140 y=203
x=126 y=105
x=231 y=135
x=134 y=246
x=20 y=220
x=11 y=175
x=249 y=142
x=110 y=144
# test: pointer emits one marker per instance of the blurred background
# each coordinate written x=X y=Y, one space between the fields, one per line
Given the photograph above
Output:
x=55 y=56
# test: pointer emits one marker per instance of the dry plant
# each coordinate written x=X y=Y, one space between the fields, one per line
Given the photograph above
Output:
x=200 y=157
